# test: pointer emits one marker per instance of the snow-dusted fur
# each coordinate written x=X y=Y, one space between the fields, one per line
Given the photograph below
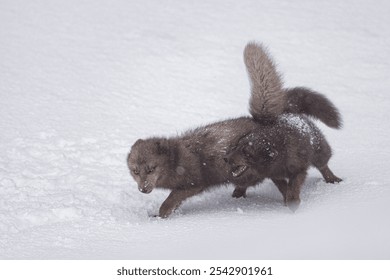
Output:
x=283 y=152
x=301 y=100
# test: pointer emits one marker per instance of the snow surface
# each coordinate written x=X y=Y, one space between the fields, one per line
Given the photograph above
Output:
x=80 y=81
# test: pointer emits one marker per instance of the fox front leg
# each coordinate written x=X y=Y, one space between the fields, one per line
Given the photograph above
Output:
x=175 y=198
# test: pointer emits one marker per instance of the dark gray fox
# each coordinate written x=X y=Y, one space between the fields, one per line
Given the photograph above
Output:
x=192 y=162
x=282 y=146
x=282 y=151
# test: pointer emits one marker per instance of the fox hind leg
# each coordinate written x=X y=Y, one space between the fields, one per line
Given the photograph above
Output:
x=282 y=187
x=293 y=191
x=328 y=175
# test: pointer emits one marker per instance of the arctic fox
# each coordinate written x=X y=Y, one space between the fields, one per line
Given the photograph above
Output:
x=282 y=152
x=194 y=161
x=282 y=146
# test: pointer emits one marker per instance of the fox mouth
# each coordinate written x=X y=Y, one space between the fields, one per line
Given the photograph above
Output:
x=239 y=170
x=145 y=189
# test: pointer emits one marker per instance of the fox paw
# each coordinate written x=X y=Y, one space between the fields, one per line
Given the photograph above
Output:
x=237 y=193
x=293 y=205
x=333 y=180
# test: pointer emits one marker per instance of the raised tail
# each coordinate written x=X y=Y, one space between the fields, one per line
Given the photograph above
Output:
x=268 y=99
x=301 y=100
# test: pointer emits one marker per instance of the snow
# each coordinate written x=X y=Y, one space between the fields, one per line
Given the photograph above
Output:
x=304 y=128
x=81 y=81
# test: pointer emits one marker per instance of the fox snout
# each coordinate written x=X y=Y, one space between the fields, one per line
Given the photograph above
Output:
x=146 y=187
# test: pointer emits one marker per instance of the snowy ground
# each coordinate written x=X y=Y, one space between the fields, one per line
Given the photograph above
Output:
x=80 y=81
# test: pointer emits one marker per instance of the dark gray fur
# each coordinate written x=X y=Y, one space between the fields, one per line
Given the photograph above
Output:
x=301 y=100
x=282 y=152
x=187 y=164
x=195 y=161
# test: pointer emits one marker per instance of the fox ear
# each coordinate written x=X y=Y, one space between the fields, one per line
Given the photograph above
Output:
x=138 y=141
x=162 y=147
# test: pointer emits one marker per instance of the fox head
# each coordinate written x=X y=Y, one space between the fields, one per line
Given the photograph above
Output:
x=239 y=159
x=249 y=155
x=148 y=162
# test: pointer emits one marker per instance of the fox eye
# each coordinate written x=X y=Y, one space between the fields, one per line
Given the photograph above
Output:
x=136 y=171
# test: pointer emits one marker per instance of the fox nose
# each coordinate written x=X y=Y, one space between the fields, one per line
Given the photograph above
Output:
x=226 y=159
x=143 y=190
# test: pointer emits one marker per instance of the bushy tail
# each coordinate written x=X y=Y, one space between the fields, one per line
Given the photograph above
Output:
x=302 y=100
x=267 y=99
